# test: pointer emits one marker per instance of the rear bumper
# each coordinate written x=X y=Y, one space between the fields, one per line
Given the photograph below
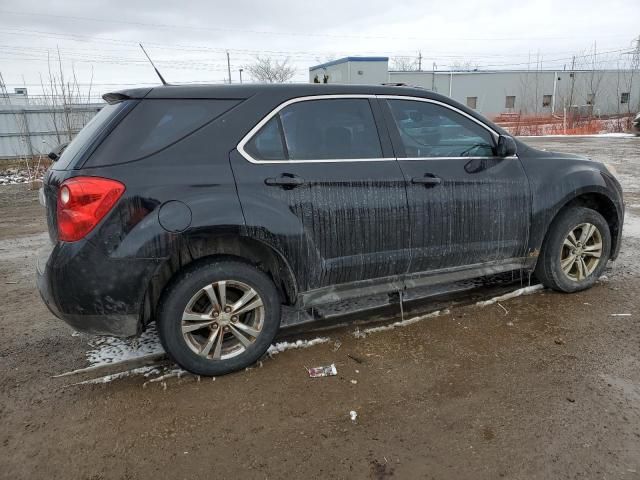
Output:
x=91 y=292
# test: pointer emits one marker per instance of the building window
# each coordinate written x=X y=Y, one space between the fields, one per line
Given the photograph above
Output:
x=510 y=101
x=624 y=97
x=546 y=100
x=591 y=98
x=472 y=102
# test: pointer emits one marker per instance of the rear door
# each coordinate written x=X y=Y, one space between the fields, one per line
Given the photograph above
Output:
x=318 y=181
x=467 y=207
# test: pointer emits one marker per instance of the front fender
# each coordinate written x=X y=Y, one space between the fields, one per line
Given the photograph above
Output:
x=556 y=182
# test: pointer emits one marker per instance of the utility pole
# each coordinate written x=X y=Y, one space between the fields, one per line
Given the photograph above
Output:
x=240 y=74
x=433 y=77
x=635 y=65
x=419 y=61
x=229 y=66
x=573 y=81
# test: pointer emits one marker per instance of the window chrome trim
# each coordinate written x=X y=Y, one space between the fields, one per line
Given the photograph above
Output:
x=243 y=142
x=446 y=105
x=283 y=105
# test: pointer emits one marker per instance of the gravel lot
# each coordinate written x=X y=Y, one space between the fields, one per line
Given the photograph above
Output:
x=539 y=386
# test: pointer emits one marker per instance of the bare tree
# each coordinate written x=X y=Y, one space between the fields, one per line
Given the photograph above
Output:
x=404 y=64
x=67 y=110
x=269 y=70
x=69 y=107
x=466 y=66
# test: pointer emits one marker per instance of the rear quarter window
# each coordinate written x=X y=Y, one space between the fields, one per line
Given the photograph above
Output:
x=92 y=130
x=154 y=125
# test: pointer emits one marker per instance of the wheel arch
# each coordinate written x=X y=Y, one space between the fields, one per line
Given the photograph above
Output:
x=599 y=202
x=206 y=248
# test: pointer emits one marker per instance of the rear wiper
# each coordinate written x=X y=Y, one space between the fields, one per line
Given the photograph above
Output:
x=57 y=152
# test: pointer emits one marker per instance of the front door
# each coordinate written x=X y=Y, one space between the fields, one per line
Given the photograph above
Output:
x=467 y=207
x=318 y=183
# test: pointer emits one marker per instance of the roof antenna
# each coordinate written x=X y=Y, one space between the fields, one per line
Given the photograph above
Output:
x=154 y=67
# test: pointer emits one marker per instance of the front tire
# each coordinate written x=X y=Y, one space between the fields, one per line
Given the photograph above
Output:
x=575 y=251
x=219 y=317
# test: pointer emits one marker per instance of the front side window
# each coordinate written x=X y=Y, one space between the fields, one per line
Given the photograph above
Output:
x=624 y=97
x=431 y=130
x=328 y=129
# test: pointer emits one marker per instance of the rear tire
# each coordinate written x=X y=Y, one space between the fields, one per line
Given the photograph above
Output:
x=575 y=251
x=219 y=317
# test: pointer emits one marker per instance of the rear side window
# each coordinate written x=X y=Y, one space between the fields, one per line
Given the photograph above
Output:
x=154 y=125
x=267 y=144
x=334 y=129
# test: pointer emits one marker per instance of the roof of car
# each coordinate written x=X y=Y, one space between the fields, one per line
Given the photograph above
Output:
x=249 y=89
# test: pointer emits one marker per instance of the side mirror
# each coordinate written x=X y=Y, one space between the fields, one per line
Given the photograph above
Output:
x=506 y=146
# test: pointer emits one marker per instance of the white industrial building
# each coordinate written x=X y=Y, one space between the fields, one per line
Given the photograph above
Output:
x=499 y=92
x=31 y=126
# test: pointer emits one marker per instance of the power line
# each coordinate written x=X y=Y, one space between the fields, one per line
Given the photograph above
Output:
x=131 y=45
x=266 y=32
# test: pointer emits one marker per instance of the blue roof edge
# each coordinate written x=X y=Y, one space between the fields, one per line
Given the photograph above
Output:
x=349 y=59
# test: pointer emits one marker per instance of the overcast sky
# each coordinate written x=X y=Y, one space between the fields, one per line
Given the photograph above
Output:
x=188 y=39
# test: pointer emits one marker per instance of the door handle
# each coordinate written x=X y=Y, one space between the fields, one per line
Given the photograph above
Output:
x=285 y=181
x=428 y=180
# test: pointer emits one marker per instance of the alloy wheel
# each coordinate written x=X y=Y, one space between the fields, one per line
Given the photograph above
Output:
x=223 y=319
x=581 y=251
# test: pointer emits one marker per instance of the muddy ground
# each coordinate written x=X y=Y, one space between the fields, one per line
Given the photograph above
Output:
x=539 y=386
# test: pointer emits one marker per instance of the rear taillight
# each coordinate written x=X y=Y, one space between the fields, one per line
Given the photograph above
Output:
x=82 y=203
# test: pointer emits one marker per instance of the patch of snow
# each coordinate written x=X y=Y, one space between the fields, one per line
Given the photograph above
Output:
x=17 y=175
x=175 y=372
x=282 y=346
x=516 y=293
x=146 y=371
x=631 y=226
x=403 y=323
x=112 y=350
x=353 y=415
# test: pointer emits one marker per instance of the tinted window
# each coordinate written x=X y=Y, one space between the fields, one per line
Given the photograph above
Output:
x=330 y=129
x=267 y=143
x=87 y=134
x=319 y=130
x=430 y=130
x=154 y=125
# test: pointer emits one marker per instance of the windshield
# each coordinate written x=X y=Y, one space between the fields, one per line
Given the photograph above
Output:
x=88 y=133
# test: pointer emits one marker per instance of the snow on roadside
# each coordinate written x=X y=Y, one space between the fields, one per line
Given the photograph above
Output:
x=403 y=323
x=516 y=293
x=112 y=350
x=282 y=346
x=146 y=371
x=631 y=226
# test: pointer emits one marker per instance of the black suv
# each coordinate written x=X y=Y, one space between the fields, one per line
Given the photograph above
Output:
x=210 y=208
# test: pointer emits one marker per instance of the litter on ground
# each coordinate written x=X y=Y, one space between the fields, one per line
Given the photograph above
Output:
x=328 y=371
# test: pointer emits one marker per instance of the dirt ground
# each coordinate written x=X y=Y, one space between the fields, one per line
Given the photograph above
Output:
x=542 y=386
